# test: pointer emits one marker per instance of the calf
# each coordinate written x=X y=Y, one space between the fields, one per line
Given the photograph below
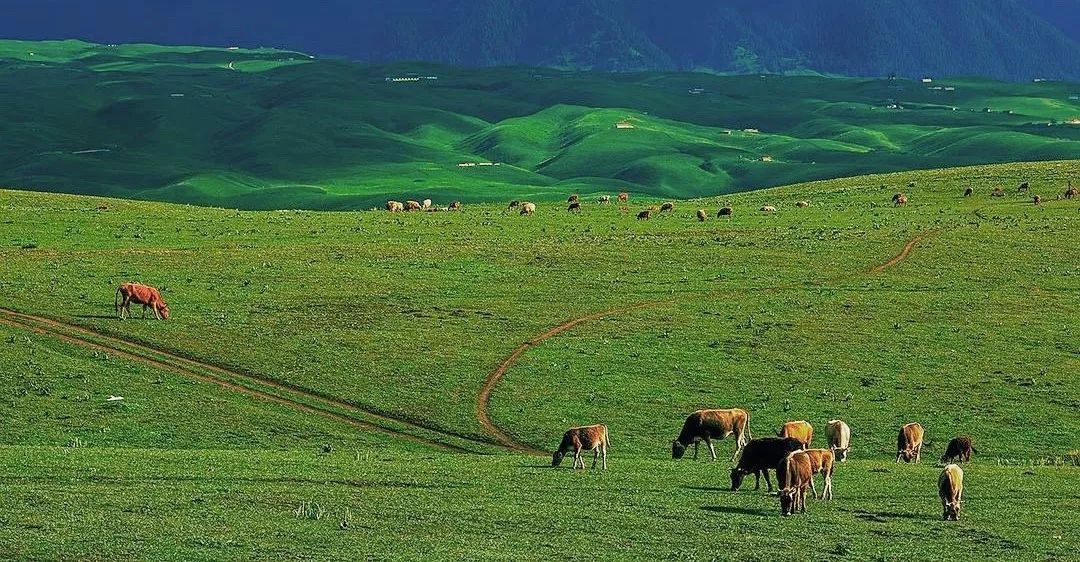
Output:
x=394 y=206
x=909 y=443
x=951 y=492
x=838 y=435
x=822 y=461
x=528 y=208
x=706 y=425
x=793 y=475
x=147 y=296
x=702 y=215
x=577 y=439
x=959 y=448
x=800 y=430
x=759 y=456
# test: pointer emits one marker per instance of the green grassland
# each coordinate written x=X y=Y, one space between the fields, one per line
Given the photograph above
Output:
x=269 y=129
x=395 y=321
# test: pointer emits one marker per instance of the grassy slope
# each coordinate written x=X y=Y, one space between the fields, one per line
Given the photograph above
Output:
x=408 y=313
x=274 y=129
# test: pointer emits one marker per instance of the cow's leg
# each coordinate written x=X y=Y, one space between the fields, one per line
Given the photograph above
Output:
x=712 y=450
x=828 y=486
x=603 y=455
x=757 y=480
x=813 y=486
x=918 y=453
x=768 y=482
x=595 y=456
x=695 y=450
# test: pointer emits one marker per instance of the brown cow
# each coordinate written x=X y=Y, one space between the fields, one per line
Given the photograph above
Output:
x=838 y=436
x=574 y=207
x=959 y=448
x=1037 y=199
x=147 y=296
x=455 y=206
x=413 y=206
x=969 y=192
x=802 y=204
x=528 y=208
x=800 y=430
x=573 y=198
x=645 y=215
x=899 y=199
x=624 y=197
x=702 y=215
x=1072 y=192
x=909 y=443
x=706 y=425
x=998 y=192
x=951 y=492
x=821 y=461
x=725 y=212
x=577 y=439
x=768 y=209
x=394 y=206
x=793 y=475
x=667 y=206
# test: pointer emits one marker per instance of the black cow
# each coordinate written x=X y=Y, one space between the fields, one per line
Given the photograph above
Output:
x=759 y=456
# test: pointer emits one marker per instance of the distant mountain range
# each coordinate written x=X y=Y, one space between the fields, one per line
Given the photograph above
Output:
x=1006 y=39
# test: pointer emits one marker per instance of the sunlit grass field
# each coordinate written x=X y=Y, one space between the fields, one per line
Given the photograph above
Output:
x=397 y=320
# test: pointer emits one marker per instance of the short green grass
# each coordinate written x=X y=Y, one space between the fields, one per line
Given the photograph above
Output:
x=269 y=129
x=975 y=332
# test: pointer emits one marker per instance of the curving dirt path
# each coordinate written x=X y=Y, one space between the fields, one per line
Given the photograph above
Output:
x=253 y=385
x=483 y=400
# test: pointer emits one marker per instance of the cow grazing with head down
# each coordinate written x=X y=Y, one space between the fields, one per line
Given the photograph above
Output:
x=802 y=204
x=577 y=439
x=1037 y=199
x=624 y=197
x=605 y=199
x=644 y=215
x=702 y=215
x=899 y=199
x=821 y=461
x=997 y=192
x=147 y=296
x=1071 y=192
x=725 y=212
x=768 y=209
x=759 y=456
x=969 y=192
x=455 y=206
x=909 y=443
x=528 y=208
x=574 y=207
x=667 y=206
x=514 y=204
x=838 y=435
x=1023 y=187
x=794 y=475
x=960 y=448
x=951 y=492
x=394 y=206
x=426 y=203
x=707 y=425
x=413 y=206
x=800 y=430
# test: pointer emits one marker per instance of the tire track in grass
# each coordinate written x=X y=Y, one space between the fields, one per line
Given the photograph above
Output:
x=483 y=400
x=253 y=385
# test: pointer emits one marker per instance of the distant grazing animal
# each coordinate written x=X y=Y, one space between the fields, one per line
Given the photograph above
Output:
x=577 y=439
x=968 y=192
x=793 y=475
x=960 y=448
x=951 y=491
x=838 y=435
x=624 y=197
x=604 y=199
x=574 y=207
x=394 y=206
x=800 y=430
x=802 y=204
x=514 y=204
x=1072 y=192
x=909 y=443
x=822 y=461
x=572 y=199
x=103 y=207
x=998 y=192
x=1023 y=187
x=426 y=203
x=702 y=215
x=1036 y=199
x=667 y=206
x=725 y=212
x=528 y=208
x=644 y=215
x=137 y=293
x=768 y=209
x=707 y=425
x=412 y=206
x=759 y=456
x=455 y=206
x=899 y=199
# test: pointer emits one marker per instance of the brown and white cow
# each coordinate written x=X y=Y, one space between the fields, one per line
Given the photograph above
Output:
x=768 y=209
x=822 y=462
x=793 y=475
x=577 y=439
x=395 y=206
x=624 y=197
x=909 y=443
x=702 y=215
x=951 y=492
x=667 y=206
x=528 y=208
x=1071 y=192
x=707 y=425
x=838 y=436
x=455 y=206
x=413 y=206
x=899 y=200
x=801 y=430
x=147 y=296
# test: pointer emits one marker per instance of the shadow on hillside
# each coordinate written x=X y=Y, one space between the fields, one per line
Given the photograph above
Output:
x=738 y=510
x=101 y=316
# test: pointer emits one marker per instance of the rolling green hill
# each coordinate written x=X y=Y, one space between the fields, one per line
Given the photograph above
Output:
x=266 y=129
x=389 y=386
